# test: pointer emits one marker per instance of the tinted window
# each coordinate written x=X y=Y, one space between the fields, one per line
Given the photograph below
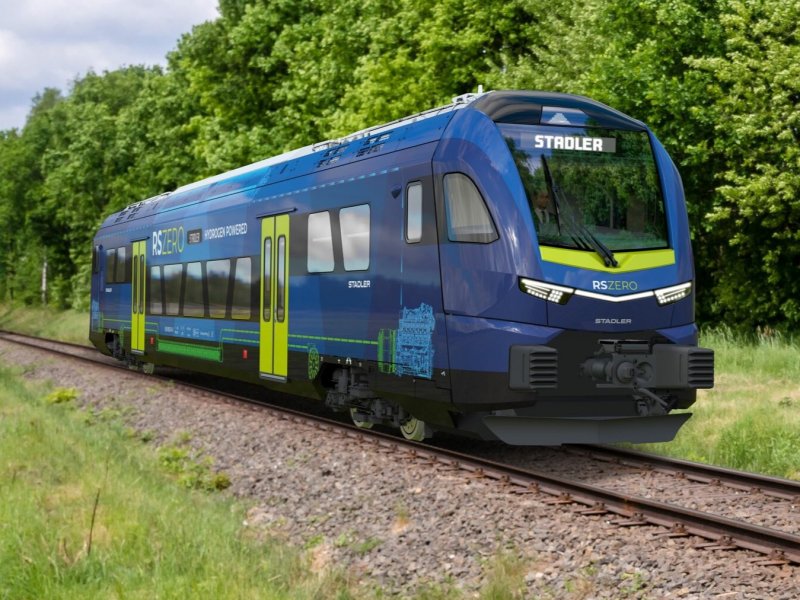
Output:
x=172 y=287
x=468 y=219
x=320 y=243
x=156 y=303
x=280 y=308
x=121 y=264
x=586 y=185
x=241 y=289
x=111 y=264
x=218 y=273
x=414 y=213
x=135 y=300
x=141 y=285
x=193 y=305
x=267 y=279
x=354 y=224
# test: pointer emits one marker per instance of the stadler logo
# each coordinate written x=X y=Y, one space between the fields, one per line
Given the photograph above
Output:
x=615 y=286
x=602 y=321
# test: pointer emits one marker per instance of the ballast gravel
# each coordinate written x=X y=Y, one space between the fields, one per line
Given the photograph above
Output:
x=401 y=526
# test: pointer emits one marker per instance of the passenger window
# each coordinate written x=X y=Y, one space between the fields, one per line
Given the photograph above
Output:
x=96 y=259
x=111 y=264
x=141 y=285
x=193 y=305
x=267 y=279
x=135 y=300
x=320 y=243
x=414 y=213
x=156 y=303
x=354 y=224
x=121 y=264
x=241 y=289
x=468 y=219
x=172 y=286
x=218 y=274
x=280 y=304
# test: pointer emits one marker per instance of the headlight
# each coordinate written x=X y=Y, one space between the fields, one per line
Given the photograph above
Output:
x=674 y=293
x=561 y=295
x=546 y=291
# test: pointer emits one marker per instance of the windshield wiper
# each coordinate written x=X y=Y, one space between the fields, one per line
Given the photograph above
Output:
x=579 y=233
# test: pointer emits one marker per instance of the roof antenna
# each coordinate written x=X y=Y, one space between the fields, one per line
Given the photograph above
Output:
x=480 y=88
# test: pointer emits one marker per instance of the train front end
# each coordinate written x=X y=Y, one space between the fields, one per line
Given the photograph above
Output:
x=570 y=305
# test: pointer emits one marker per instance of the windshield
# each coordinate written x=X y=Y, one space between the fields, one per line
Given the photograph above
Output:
x=590 y=188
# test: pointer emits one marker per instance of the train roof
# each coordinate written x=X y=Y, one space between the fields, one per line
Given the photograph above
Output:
x=522 y=107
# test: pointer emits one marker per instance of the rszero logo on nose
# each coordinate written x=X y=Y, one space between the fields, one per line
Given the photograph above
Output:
x=614 y=286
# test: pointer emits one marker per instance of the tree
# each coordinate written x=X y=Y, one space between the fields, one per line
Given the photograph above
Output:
x=754 y=110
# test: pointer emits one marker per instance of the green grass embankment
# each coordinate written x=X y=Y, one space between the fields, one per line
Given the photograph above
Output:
x=91 y=509
x=68 y=325
x=751 y=419
x=87 y=510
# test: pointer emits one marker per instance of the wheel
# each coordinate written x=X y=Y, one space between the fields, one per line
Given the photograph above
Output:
x=415 y=430
x=358 y=422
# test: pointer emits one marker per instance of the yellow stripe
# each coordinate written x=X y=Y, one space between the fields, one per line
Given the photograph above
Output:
x=638 y=260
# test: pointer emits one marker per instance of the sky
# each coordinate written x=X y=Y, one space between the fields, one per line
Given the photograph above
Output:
x=49 y=43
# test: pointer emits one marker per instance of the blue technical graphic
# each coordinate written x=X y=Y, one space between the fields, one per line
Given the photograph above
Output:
x=414 y=342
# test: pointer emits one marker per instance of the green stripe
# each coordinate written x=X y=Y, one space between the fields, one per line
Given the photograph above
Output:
x=201 y=352
x=232 y=339
x=637 y=260
x=333 y=339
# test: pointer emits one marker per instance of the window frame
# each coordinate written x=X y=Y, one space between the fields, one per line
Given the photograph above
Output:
x=151 y=288
x=309 y=241
x=356 y=267
x=250 y=287
x=467 y=238
x=111 y=257
x=408 y=238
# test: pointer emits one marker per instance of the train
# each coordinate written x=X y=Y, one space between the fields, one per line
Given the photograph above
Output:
x=513 y=266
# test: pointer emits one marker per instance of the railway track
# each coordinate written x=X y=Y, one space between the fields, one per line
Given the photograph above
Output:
x=624 y=509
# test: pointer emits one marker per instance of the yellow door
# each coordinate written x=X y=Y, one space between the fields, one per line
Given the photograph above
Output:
x=274 y=331
x=138 y=280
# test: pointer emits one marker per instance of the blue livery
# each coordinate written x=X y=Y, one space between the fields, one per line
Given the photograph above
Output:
x=512 y=266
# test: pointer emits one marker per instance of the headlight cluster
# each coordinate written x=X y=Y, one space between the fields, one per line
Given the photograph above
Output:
x=672 y=294
x=561 y=294
x=546 y=291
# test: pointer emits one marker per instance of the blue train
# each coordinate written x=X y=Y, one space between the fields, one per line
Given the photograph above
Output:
x=513 y=266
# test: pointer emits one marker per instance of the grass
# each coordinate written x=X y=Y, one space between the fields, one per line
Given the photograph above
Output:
x=69 y=325
x=751 y=419
x=87 y=511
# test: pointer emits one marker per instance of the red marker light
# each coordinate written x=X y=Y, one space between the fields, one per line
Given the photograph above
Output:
x=152 y=340
x=244 y=354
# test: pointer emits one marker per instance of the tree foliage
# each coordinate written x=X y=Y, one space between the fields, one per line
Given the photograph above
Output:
x=718 y=80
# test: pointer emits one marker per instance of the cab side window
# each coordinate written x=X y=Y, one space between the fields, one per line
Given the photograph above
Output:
x=414 y=212
x=468 y=219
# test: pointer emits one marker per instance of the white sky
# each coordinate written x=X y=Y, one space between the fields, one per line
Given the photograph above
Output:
x=48 y=43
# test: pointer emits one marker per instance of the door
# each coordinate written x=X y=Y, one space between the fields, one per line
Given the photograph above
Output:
x=274 y=313
x=138 y=280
